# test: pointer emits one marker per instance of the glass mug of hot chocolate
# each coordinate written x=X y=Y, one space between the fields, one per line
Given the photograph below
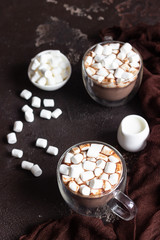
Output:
x=91 y=176
x=112 y=72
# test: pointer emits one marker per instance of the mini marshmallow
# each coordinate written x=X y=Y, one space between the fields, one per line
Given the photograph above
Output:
x=113 y=178
x=99 y=58
x=99 y=49
x=18 y=126
x=26 y=108
x=36 y=102
x=77 y=158
x=126 y=48
x=75 y=170
x=98 y=78
x=35 y=77
x=97 y=65
x=43 y=68
x=127 y=75
x=26 y=165
x=102 y=72
x=110 y=167
x=76 y=150
x=84 y=190
x=87 y=175
x=44 y=58
x=56 y=113
x=106 y=186
x=115 y=45
x=48 y=102
x=36 y=170
x=91 y=71
x=73 y=186
x=107 y=50
x=26 y=94
x=35 y=64
x=88 y=165
x=110 y=76
x=103 y=156
x=45 y=114
x=48 y=74
x=88 y=60
x=29 y=116
x=101 y=164
x=66 y=179
x=68 y=157
x=17 y=153
x=41 y=142
x=119 y=72
x=108 y=60
x=113 y=159
x=96 y=192
x=79 y=180
x=104 y=176
x=64 y=169
x=84 y=147
x=96 y=183
x=121 y=55
x=106 y=150
x=134 y=64
x=98 y=171
x=42 y=81
x=52 y=150
x=94 y=150
x=11 y=138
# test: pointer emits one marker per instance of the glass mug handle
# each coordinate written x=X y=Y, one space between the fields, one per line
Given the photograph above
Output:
x=122 y=206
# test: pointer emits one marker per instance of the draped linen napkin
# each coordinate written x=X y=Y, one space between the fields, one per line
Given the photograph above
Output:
x=144 y=180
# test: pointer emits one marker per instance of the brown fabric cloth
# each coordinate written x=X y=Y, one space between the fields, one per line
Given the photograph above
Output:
x=144 y=181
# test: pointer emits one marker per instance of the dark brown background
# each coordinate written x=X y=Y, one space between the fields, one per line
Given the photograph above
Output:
x=26 y=28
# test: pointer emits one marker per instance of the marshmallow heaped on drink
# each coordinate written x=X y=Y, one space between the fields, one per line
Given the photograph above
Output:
x=92 y=169
x=119 y=57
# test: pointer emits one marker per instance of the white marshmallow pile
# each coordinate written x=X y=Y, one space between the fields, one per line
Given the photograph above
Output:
x=91 y=169
x=113 y=64
x=49 y=68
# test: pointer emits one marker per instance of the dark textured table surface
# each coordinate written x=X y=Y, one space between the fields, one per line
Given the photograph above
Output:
x=28 y=27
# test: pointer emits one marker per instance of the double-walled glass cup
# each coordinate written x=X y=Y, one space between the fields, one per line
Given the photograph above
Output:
x=112 y=92
x=119 y=203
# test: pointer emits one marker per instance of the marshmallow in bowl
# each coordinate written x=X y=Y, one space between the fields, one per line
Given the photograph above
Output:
x=48 y=69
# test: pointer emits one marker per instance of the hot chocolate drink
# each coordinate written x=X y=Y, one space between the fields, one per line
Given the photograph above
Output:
x=112 y=72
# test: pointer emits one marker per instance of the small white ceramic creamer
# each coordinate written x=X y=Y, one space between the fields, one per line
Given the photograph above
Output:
x=132 y=133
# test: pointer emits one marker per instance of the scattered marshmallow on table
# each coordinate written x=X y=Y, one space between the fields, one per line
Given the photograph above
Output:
x=11 y=138
x=26 y=108
x=36 y=170
x=52 y=150
x=29 y=116
x=48 y=102
x=26 y=94
x=26 y=165
x=45 y=114
x=56 y=113
x=17 y=153
x=36 y=102
x=18 y=126
x=41 y=142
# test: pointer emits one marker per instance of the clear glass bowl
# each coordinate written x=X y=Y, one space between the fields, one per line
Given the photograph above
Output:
x=115 y=95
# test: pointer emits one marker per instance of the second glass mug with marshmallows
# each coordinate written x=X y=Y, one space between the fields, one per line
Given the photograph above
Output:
x=97 y=206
